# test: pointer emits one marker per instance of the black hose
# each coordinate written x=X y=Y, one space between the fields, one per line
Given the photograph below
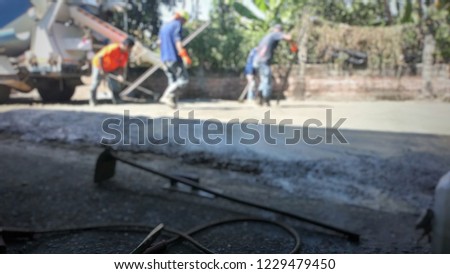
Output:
x=351 y=235
x=163 y=244
x=187 y=236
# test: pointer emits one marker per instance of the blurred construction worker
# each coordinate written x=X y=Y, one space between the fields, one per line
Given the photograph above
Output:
x=174 y=56
x=263 y=59
x=112 y=59
x=250 y=74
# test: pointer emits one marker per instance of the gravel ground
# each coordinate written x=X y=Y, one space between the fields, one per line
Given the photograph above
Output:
x=376 y=186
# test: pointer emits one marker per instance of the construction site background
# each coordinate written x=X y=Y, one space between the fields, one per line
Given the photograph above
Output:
x=323 y=81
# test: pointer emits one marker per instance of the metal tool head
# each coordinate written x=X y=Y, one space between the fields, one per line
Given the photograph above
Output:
x=106 y=166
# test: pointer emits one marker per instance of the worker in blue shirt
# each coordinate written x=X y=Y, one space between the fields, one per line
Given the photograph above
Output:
x=250 y=75
x=174 y=56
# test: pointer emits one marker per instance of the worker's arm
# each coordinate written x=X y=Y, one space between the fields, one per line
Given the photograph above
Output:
x=179 y=46
x=292 y=45
x=182 y=52
x=287 y=37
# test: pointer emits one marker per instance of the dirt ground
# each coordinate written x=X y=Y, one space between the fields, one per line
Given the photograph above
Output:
x=375 y=186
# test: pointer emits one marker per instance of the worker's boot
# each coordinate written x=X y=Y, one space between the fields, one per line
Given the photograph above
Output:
x=267 y=101
x=169 y=100
x=93 y=99
x=116 y=99
x=260 y=98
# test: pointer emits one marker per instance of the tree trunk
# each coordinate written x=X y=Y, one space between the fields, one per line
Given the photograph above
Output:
x=221 y=7
x=300 y=91
x=420 y=10
x=387 y=12
x=427 y=65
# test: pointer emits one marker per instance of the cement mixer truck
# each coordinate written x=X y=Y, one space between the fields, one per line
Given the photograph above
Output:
x=45 y=44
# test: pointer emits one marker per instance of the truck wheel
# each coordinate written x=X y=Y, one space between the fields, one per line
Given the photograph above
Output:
x=51 y=91
x=4 y=94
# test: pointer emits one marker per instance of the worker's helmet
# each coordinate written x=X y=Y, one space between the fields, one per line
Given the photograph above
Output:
x=129 y=42
x=183 y=15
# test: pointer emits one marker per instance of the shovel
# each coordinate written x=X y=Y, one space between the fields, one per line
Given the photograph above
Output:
x=243 y=94
x=141 y=89
x=106 y=167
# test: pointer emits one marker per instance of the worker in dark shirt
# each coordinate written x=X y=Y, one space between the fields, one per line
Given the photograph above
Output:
x=263 y=59
x=174 y=56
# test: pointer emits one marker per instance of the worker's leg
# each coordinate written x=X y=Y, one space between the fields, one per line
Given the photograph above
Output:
x=265 y=74
x=182 y=80
x=168 y=96
x=115 y=88
x=96 y=79
x=182 y=75
x=171 y=79
x=178 y=77
x=251 y=87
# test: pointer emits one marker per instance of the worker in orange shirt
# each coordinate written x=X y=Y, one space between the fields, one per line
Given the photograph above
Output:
x=112 y=59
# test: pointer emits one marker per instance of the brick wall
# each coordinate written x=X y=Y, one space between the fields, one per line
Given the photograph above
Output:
x=321 y=82
x=370 y=87
x=211 y=85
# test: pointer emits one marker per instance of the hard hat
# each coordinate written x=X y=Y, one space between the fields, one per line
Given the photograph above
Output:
x=183 y=14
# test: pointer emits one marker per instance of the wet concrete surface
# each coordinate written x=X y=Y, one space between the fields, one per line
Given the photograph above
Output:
x=385 y=171
x=50 y=186
x=377 y=185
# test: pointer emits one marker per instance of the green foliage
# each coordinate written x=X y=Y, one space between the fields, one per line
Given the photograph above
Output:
x=441 y=18
x=407 y=14
x=142 y=17
x=245 y=12
x=215 y=51
x=236 y=29
x=224 y=46
x=261 y=4
x=275 y=12
x=360 y=13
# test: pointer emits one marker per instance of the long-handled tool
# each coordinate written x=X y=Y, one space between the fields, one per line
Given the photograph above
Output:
x=106 y=167
x=286 y=79
x=142 y=89
x=243 y=93
x=153 y=69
